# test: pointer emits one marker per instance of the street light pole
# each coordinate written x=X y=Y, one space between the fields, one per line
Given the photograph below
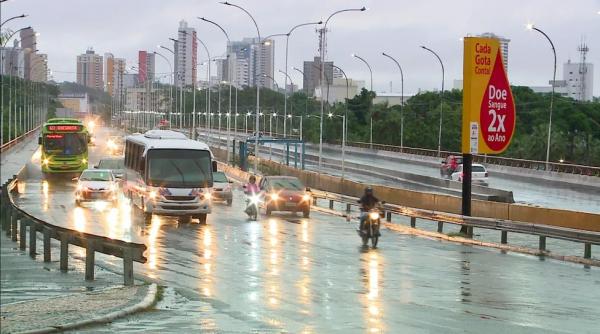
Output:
x=532 y=27
x=230 y=82
x=256 y=150
x=345 y=125
x=441 y=99
x=370 y=71
x=287 y=76
x=322 y=55
x=401 y=100
x=170 y=84
x=305 y=101
x=287 y=40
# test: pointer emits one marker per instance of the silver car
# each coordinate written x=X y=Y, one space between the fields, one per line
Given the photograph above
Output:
x=222 y=190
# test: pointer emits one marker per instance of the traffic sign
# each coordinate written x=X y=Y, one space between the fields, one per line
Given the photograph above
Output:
x=488 y=105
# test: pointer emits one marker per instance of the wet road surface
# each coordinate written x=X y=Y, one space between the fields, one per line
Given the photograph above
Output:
x=288 y=274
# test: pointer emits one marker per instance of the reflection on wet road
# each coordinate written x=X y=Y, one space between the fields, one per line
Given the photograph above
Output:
x=287 y=273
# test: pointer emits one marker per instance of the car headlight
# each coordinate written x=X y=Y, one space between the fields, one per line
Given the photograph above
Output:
x=152 y=195
x=207 y=196
x=374 y=215
x=274 y=196
x=84 y=161
x=46 y=161
x=306 y=197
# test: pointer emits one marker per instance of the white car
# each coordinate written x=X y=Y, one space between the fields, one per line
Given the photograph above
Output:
x=222 y=188
x=479 y=174
x=96 y=184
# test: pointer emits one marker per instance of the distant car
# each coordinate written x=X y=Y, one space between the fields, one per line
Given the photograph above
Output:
x=449 y=165
x=115 y=165
x=96 y=184
x=285 y=193
x=115 y=145
x=479 y=174
x=222 y=188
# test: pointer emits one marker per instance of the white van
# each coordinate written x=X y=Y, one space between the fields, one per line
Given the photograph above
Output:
x=168 y=174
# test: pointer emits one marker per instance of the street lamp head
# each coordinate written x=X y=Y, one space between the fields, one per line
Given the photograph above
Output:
x=249 y=113
x=363 y=9
x=321 y=22
x=353 y=55
x=289 y=116
x=529 y=26
x=330 y=115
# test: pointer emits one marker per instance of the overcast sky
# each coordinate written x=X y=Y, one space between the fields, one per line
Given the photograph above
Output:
x=122 y=27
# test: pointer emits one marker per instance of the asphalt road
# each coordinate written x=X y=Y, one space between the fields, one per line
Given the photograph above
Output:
x=288 y=274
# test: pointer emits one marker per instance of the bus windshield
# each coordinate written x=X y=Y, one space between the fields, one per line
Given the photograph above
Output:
x=65 y=143
x=179 y=168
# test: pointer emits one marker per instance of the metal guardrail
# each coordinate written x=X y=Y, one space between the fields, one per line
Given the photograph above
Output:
x=13 y=142
x=15 y=222
x=495 y=160
x=504 y=226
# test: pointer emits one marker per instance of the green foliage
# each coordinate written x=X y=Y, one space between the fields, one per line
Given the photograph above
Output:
x=19 y=96
x=575 y=128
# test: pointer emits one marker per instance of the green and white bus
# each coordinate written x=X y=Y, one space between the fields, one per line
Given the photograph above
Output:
x=64 y=146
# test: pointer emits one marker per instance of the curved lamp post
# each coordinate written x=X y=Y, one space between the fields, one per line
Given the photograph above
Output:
x=441 y=99
x=257 y=86
x=370 y=71
x=401 y=100
x=532 y=27
x=322 y=55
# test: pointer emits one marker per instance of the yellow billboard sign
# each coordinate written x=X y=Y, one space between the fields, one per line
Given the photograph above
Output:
x=488 y=105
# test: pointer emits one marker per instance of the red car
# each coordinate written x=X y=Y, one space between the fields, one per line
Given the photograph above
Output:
x=285 y=193
x=449 y=165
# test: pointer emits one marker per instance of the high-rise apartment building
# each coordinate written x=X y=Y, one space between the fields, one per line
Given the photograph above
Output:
x=250 y=62
x=312 y=75
x=503 y=46
x=29 y=45
x=12 y=59
x=146 y=69
x=185 y=55
x=89 y=70
x=39 y=67
x=109 y=73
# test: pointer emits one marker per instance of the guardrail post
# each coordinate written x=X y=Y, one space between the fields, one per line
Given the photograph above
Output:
x=348 y=208
x=32 y=238
x=89 y=261
x=47 y=254
x=587 y=251
x=542 y=243
x=331 y=204
x=127 y=266
x=413 y=222
x=388 y=216
x=504 y=237
x=314 y=201
x=64 y=252
x=440 y=227
x=22 y=234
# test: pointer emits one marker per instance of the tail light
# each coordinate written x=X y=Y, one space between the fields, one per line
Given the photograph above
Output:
x=486 y=174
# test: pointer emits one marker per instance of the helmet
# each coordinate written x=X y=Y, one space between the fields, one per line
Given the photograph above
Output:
x=368 y=190
x=252 y=178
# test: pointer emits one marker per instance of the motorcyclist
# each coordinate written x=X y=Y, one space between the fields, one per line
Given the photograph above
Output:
x=251 y=187
x=367 y=202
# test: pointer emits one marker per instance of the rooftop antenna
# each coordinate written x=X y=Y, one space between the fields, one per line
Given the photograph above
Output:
x=583 y=50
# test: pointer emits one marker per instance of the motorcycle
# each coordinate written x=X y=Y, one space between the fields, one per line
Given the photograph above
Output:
x=252 y=203
x=370 y=228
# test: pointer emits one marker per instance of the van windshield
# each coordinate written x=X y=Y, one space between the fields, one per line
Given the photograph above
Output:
x=171 y=168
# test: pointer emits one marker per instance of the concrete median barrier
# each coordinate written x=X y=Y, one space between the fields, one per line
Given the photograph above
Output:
x=435 y=202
